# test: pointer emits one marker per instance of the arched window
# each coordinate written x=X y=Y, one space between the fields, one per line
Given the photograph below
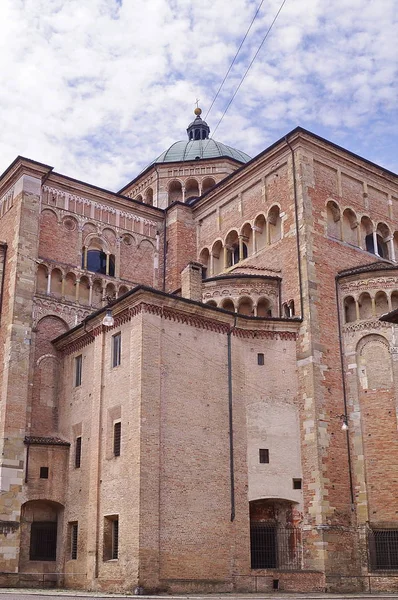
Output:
x=394 y=300
x=99 y=262
x=232 y=245
x=383 y=234
x=247 y=235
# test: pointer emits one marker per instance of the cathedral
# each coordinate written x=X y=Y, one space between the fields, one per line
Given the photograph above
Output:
x=199 y=373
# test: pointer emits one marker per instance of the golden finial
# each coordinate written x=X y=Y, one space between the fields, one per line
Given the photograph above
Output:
x=197 y=111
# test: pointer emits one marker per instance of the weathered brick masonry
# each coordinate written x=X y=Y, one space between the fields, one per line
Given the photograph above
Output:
x=196 y=444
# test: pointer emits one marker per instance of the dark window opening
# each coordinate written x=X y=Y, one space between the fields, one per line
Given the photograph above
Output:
x=116 y=349
x=115 y=539
x=78 y=452
x=43 y=541
x=78 y=370
x=43 y=472
x=117 y=438
x=297 y=484
x=263 y=455
x=73 y=540
x=260 y=359
x=383 y=547
x=96 y=262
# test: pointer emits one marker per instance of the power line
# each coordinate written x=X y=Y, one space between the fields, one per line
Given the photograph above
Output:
x=234 y=59
x=247 y=70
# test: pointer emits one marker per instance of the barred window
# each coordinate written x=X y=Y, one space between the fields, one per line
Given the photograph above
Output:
x=78 y=452
x=115 y=539
x=383 y=549
x=43 y=541
x=78 y=370
x=74 y=529
x=117 y=438
x=116 y=349
x=111 y=537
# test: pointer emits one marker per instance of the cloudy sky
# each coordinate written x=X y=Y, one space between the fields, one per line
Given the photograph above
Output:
x=99 y=88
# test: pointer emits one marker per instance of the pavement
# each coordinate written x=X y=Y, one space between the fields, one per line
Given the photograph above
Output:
x=50 y=594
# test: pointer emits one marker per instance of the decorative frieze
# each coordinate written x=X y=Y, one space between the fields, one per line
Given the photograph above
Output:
x=72 y=315
x=6 y=201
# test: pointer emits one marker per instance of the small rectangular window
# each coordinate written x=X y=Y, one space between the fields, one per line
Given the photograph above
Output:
x=297 y=484
x=115 y=539
x=263 y=455
x=117 y=438
x=111 y=537
x=43 y=472
x=78 y=370
x=116 y=349
x=78 y=452
x=74 y=529
x=260 y=358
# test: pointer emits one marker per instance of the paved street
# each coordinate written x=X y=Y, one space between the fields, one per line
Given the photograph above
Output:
x=8 y=594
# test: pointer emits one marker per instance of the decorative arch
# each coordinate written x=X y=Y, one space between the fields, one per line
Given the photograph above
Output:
x=42 y=279
x=365 y=306
x=191 y=189
x=84 y=290
x=383 y=235
x=246 y=233
x=175 y=191
x=56 y=282
x=204 y=259
x=217 y=254
x=139 y=198
x=212 y=303
x=264 y=307
x=374 y=362
x=207 y=184
x=149 y=196
x=381 y=303
x=232 y=246
x=350 y=227
x=260 y=231
x=40 y=528
x=350 y=311
x=245 y=306
x=96 y=255
x=70 y=287
x=394 y=300
x=367 y=234
x=274 y=224
x=333 y=217
x=228 y=304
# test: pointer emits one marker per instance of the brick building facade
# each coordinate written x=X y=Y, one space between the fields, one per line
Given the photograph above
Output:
x=195 y=443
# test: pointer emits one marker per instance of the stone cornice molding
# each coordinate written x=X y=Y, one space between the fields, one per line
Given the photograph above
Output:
x=78 y=339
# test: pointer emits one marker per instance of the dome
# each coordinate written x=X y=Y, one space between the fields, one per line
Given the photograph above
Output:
x=198 y=149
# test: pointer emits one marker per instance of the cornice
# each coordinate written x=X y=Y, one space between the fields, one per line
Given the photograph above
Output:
x=81 y=337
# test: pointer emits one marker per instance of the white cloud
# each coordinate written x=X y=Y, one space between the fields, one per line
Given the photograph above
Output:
x=99 y=88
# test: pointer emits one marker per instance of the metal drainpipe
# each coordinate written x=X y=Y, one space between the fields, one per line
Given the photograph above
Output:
x=297 y=229
x=3 y=279
x=231 y=433
x=344 y=391
x=100 y=433
x=164 y=251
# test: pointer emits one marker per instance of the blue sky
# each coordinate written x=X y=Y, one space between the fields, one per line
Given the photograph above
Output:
x=99 y=88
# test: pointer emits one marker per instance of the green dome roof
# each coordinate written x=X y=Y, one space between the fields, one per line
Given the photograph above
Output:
x=198 y=149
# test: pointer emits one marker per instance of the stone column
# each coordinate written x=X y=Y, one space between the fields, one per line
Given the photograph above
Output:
x=357 y=309
x=49 y=282
x=225 y=257
x=390 y=241
x=376 y=251
x=241 y=248
x=77 y=290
